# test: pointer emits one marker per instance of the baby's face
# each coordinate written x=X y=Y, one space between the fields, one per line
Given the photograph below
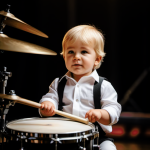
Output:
x=80 y=58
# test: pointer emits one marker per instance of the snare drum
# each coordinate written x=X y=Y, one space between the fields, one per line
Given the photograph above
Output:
x=52 y=130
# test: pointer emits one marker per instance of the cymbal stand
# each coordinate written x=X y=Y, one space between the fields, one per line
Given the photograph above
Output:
x=4 y=105
x=2 y=25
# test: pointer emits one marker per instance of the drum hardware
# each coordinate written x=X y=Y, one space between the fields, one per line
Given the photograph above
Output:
x=84 y=138
x=81 y=138
x=3 y=18
x=4 y=106
x=97 y=140
x=22 y=138
x=4 y=77
x=56 y=140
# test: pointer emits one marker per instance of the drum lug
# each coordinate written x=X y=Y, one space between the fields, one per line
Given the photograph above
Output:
x=32 y=138
x=21 y=136
x=82 y=148
x=56 y=139
x=51 y=142
x=85 y=137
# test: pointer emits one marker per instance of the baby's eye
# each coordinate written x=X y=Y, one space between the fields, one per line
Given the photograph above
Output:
x=70 y=52
x=84 y=52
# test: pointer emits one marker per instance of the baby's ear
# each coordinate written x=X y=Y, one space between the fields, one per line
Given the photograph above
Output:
x=97 y=60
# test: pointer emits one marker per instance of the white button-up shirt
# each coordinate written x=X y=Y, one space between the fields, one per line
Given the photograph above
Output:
x=78 y=97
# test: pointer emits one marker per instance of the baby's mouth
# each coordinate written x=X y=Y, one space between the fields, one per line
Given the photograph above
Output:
x=76 y=65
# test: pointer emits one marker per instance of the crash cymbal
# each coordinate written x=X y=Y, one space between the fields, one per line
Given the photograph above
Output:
x=11 y=20
x=14 y=45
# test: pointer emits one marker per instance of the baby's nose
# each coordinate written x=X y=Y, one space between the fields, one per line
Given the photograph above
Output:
x=77 y=56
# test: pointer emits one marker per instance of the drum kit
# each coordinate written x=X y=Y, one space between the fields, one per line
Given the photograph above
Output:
x=57 y=130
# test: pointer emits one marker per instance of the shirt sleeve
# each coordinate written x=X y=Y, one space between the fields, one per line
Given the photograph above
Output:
x=52 y=95
x=109 y=101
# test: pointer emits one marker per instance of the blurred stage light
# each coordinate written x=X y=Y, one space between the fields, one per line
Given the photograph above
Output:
x=118 y=130
x=134 y=132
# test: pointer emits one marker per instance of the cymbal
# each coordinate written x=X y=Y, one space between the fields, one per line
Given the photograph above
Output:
x=11 y=20
x=14 y=45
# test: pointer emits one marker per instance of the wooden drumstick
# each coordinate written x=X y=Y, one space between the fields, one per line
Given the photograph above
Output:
x=73 y=117
x=64 y=114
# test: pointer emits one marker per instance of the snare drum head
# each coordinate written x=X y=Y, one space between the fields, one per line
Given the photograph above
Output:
x=48 y=125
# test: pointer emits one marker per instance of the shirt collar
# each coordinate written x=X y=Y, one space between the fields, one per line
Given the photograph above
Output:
x=93 y=75
x=67 y=75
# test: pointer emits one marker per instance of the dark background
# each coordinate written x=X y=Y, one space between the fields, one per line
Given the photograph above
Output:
x=125 y=24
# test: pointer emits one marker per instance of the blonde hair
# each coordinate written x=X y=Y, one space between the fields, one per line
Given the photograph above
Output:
x=86 y=34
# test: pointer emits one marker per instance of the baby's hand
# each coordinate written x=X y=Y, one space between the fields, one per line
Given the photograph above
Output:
x=93 y=115
x=47 y=108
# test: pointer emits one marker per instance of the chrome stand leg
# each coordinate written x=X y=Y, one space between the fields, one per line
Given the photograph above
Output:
x=56 y=136
x=84 y=147
x=22 y=148
x=91 y=144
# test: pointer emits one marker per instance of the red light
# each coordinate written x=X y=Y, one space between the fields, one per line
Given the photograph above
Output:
x=118 y=131
x=134 y=132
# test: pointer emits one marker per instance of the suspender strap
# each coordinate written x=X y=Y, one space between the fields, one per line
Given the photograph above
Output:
x=60 y=89
x=97 y=99
x=97 y=93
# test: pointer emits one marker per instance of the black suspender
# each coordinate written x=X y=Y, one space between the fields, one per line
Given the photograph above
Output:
x=96 y=92
x=61 y=86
